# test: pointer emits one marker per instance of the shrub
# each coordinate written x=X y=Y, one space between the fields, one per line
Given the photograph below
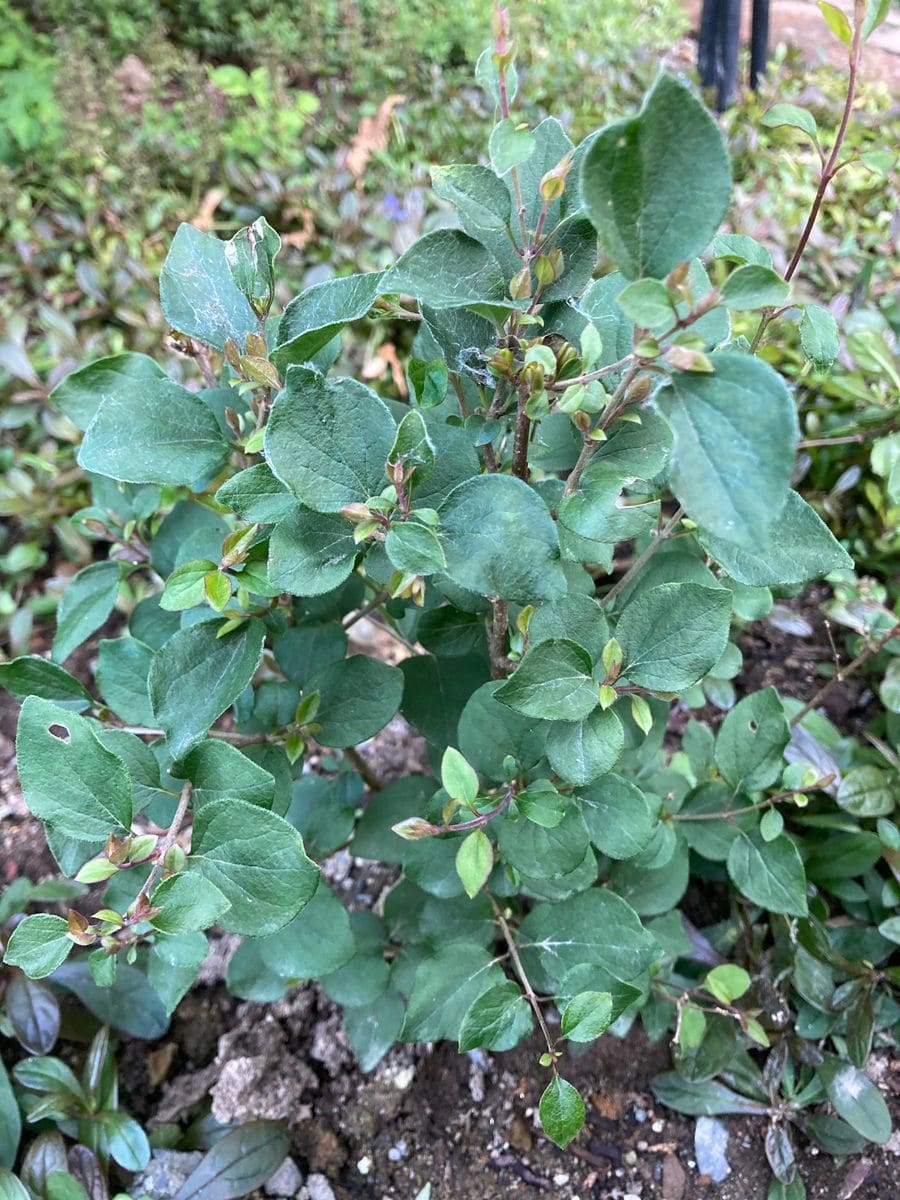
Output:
x=546 y=418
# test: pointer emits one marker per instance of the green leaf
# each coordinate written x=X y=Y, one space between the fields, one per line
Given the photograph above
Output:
x=445 y=986
x=474 y=861
x=54 y=744
x=562 y=1111
x=673 y=634
x=308 y=647
x=219 y=771
x=753 y=286
x=751 y=741
x=256 y=495
x=735 y=433
x=856 y=1099
x=357 y=698
x=447 y=269
x=63 y=1186
x=489 y=731
x=125 y=1140
x=10 y=1132
x=240 y=1161
x=38 y=945
x=82 y=392
x=876 y=12
x=769 y=873
x=793 y=115
x=727 y=982
x=189 y=902
x=314 y=317
x=574 y=617
x=641 y=177
x=123 y=665
x=595 y=927
x=617 y=815
x=85 y=605
x=327 y=440
x=509 y=146
x=30 y=675
x=250 y=256
x=198 y=294
x=32 y=1010
x=736 y=247
x=366 y=977
x=500 y=540
x=257 y=861
x=867 y=792
x=542 y=804
x=497 y=1020
x=837 y=22
x=482 y=201
x=581 y=751
x=459 y=780
x=373 y=1029
x=414 y=549
x=702 y=1097
x=130 y=1005
x=553 y=681
x=155 y=432
x=798 y=546
x=311 y=553
x=551 y=144
x=316 y=942
x=197 y=675
x=587 y=1016
x=647 y=303
x=819 y=336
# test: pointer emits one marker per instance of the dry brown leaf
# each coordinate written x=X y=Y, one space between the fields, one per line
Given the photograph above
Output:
x=299 y=237
x=208 y=205
x=371 y=135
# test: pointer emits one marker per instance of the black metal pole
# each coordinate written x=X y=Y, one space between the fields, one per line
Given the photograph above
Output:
x=759 y=41
x=706 y=42
x=729 y=45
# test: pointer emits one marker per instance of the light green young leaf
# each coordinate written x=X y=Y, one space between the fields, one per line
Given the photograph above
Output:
x=123 y=440
x=474 y=861
x=727 y=982
x=197 y=292
x=793 y=115
x=85 y=605
x=837 y=22
x=53 y=745
x=257 y=861
x=197 y=675
x=184 y=587
x=562 y=1111
x=656 y=186
x=38 y=945
x=499 y=540
x=328 y=440
x=672 y=634
x=553 y=682
x=647 y=303
x=457 y=777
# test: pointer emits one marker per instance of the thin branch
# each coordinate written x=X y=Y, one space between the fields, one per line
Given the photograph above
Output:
x=167 y=842
x=523 y=429
x=497 y=627
x=661 y=536
x=864 y=655
x=610 y=414
x=530 y=994
x=372 y=781
x=365 y=609
x=727 y=813
x=561 y=384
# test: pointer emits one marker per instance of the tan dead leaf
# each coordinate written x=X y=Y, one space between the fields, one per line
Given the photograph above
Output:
x=371 y=135
x=159 y=1063
x=208 y=205
x=299 y=237
x=389 y=353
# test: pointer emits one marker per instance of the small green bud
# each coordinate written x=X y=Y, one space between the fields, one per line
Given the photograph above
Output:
x=307 y=709
x=640 y=711
x=510 y=768
x=520 y=284
x=142 y=847
x=81 y=932
x=607 y=696
x=612 y=659
x=680 y=358
x=413 y=829
x=175 y=859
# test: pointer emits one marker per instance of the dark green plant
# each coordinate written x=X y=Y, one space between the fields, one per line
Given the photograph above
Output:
x=549 y=417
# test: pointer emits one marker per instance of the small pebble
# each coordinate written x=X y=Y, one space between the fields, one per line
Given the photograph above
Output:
x=286 y=1181
x=319 y=1188
x=559 y=1180
x=658 y=1126
x=640 y=1114
x=398 y=1152
x=629 y=1158
x=364 y=1166
x=642 y=1146
x=404 y=1078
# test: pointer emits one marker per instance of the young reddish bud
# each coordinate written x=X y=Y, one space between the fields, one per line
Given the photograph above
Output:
x=413 y=829
x=80 y=930
x=677 y=276
x=639 y=390
x=356 y=512
x=680 y=358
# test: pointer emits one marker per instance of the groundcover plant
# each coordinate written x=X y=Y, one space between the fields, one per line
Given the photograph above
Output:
x=551 y=416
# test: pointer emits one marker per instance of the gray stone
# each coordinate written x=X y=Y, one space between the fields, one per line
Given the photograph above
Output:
x=166 y=1173
x=318 y=1188
x=286 y=1182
